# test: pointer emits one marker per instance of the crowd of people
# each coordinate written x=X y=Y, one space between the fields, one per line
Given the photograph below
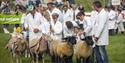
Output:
x=63 y=20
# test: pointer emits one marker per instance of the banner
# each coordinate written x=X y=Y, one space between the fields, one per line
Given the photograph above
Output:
x=116 y=2
x=10 y=19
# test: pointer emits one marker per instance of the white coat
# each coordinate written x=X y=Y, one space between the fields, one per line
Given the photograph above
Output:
x=101 y=28
x=57 y=27
x=112 y=19
x=74 y=14
x=92 y=20
x=120 y=22
x=68 y=15
x=46 y=26
x=33 y=23
x=123 y=12
x=86 y=25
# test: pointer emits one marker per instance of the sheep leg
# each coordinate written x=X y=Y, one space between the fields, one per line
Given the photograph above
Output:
x=33 y=57
x=43 y=58
x=62 y=60
x=57 y=59
x=83 y=60
x=69 y=60
x=53 y=59
x=78 y=60
x=89 y=60
x=86 y=60
x=37 y=58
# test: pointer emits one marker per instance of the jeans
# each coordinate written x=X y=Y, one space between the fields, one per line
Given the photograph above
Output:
x=101 y=55
x=124 y=24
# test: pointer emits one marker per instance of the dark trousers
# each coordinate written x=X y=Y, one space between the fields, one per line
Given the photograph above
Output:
x=124 y=24
x=112 y=32
x=101 y=54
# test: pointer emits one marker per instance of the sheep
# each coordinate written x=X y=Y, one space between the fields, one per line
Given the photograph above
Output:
x=61 y=51
x=82 y=51
x=39 y=48
x=17 y=45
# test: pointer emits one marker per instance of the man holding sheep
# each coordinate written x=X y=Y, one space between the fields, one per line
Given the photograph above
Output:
x=101 y=33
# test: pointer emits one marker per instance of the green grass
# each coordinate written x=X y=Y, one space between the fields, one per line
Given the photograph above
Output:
x=116 y=49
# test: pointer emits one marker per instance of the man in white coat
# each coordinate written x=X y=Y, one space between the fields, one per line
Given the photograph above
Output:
x=101 y=33
x=34 y=21
x=86 y=33
x=120 y=22
x=56 y=27
x=84 y=24
x=74 y=11
x=53 y=9
x=67 y=13
x=112 y=20
x=46 y=23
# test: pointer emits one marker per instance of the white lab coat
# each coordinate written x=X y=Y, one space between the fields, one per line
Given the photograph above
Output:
x=123 y=11
x=120 y=22
x=75 y=12
x=87 y=26
x=46 y=26
x=33 y=23
x=57 y=27
x=67 y=16
x=113 y=18
x=93 y=18
x=101 y=28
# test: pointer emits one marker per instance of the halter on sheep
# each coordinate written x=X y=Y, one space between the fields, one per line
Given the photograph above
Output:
x=39 y=48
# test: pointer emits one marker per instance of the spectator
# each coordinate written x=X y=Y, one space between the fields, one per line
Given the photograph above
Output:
x=112 y=20
x=120 y=21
